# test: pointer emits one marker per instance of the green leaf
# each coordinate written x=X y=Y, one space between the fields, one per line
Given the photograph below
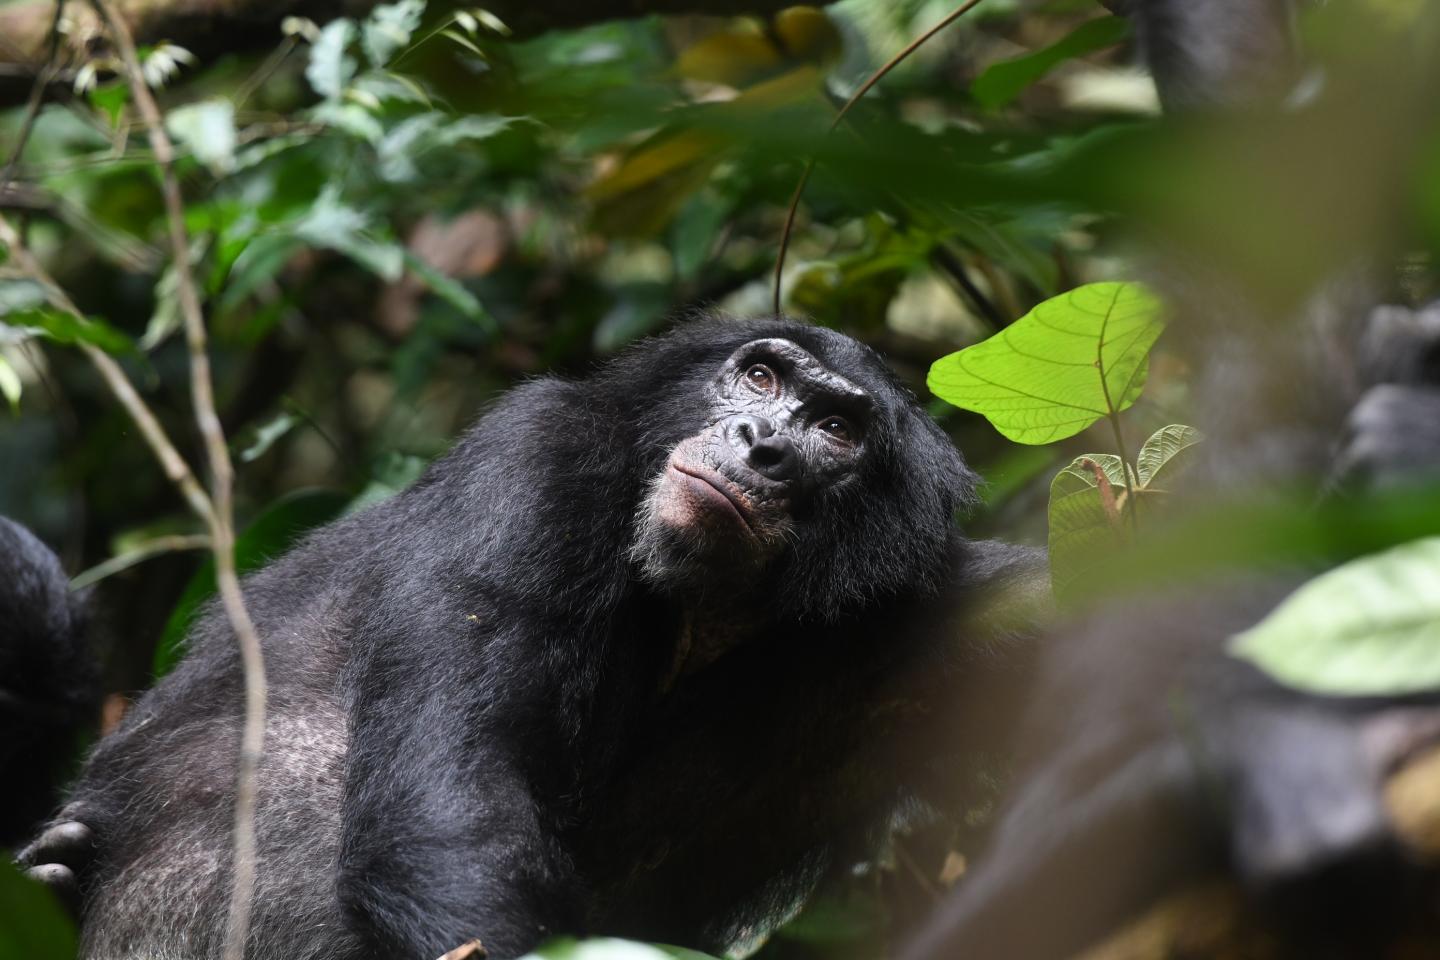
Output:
x=10 y=386
x=1084 y=531
x=452 y=292
x=66 y=328
x=335 y=225
x=273 y=532
x=208 y=129
x=1073 y=359
x=1368 y=628
x=331 y=68
x=1162 y=455
x=32 y=925
x=389 y=28
x=1003 y=82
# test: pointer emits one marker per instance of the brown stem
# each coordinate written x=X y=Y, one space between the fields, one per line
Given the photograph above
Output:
x=222 y=527
x=863 y=89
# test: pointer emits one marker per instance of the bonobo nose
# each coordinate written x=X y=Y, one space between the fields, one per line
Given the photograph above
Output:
x=763 y=450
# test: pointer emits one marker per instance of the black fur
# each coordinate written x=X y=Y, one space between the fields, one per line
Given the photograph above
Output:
x=476 y=728
x=48 y=683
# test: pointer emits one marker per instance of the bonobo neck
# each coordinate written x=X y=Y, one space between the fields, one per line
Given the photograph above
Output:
x=710 y=627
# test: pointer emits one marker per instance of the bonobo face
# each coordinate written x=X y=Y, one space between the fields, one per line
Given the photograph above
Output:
x=781 y=428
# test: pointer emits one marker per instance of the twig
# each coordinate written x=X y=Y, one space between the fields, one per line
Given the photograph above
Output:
x=146 y=550
x=177 y=471
x=37 y=97
x=863 y=89
x=222 y=530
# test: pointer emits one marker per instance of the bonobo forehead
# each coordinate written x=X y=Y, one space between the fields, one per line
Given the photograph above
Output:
x=804 y=375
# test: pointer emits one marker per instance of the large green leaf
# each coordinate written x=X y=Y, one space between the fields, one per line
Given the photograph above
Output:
x=272 y=533
x=1073 y=359
x=32 y=925
x=1368 y=628
x=1002 y=82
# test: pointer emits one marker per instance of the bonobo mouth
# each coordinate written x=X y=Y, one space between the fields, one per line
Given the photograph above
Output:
x=716 y=490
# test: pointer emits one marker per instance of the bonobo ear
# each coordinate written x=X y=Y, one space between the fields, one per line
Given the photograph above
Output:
x=887 y=534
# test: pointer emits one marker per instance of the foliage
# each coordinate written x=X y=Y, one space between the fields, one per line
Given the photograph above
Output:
x=1368 y=628
x=396 y=216
x=45 y=933
x=1067 y=363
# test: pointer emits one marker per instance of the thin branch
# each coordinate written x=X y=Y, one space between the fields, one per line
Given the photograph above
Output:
x=146 y=550
x=37 y=97
x=855 y=97
x=222 y=529
x=177 y=471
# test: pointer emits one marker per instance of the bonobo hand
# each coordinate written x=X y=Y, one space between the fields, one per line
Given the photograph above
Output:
x=59 y=857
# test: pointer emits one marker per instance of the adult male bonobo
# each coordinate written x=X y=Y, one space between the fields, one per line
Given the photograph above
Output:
x=642 y=655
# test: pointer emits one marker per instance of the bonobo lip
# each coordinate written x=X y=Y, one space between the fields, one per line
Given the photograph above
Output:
x=718 y=484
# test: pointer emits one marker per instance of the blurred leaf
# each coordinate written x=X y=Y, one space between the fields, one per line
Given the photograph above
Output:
x=66 y=328
x=1003 y=82
x=277 y=528
x=208 y=129
x=1070 y=361
x=111 y=99
x=331 y=69
x=1368 y=628
x=735 y=59
x=390 y=474
x=32 y=924
x=388 y=29
x=334 y=225
x=452 y=292
x=265 y=434
x=10 y=386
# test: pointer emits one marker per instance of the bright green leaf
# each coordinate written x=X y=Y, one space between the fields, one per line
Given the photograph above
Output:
x=66 y=328
x=1073 y=359
x=1004 y=81
x=331 y=68
x=1368 y=628
x=208 y=129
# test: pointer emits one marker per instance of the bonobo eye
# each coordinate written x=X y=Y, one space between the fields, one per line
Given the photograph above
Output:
x=838 y=428
x=762 y=378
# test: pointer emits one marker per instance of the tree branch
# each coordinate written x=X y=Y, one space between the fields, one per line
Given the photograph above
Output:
x=222 y=524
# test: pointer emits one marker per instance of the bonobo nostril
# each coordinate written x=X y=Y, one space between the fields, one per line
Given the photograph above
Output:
x=762 y=450
x=775 y=457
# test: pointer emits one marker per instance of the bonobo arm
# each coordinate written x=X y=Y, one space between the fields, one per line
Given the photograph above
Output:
x=798 y=750
x=443 y=838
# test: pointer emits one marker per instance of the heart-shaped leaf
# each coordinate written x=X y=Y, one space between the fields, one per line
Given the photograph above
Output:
x=1073 y=359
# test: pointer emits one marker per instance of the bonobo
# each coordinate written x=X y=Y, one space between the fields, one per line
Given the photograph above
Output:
x=48 y=683
x=644 y=654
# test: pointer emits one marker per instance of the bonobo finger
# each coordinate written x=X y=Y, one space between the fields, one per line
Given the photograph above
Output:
x=68 y=842
x=61 y=881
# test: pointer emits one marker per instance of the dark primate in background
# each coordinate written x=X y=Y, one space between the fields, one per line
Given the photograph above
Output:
x=1149 y=757
x=49 y=685
x=643 y=655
